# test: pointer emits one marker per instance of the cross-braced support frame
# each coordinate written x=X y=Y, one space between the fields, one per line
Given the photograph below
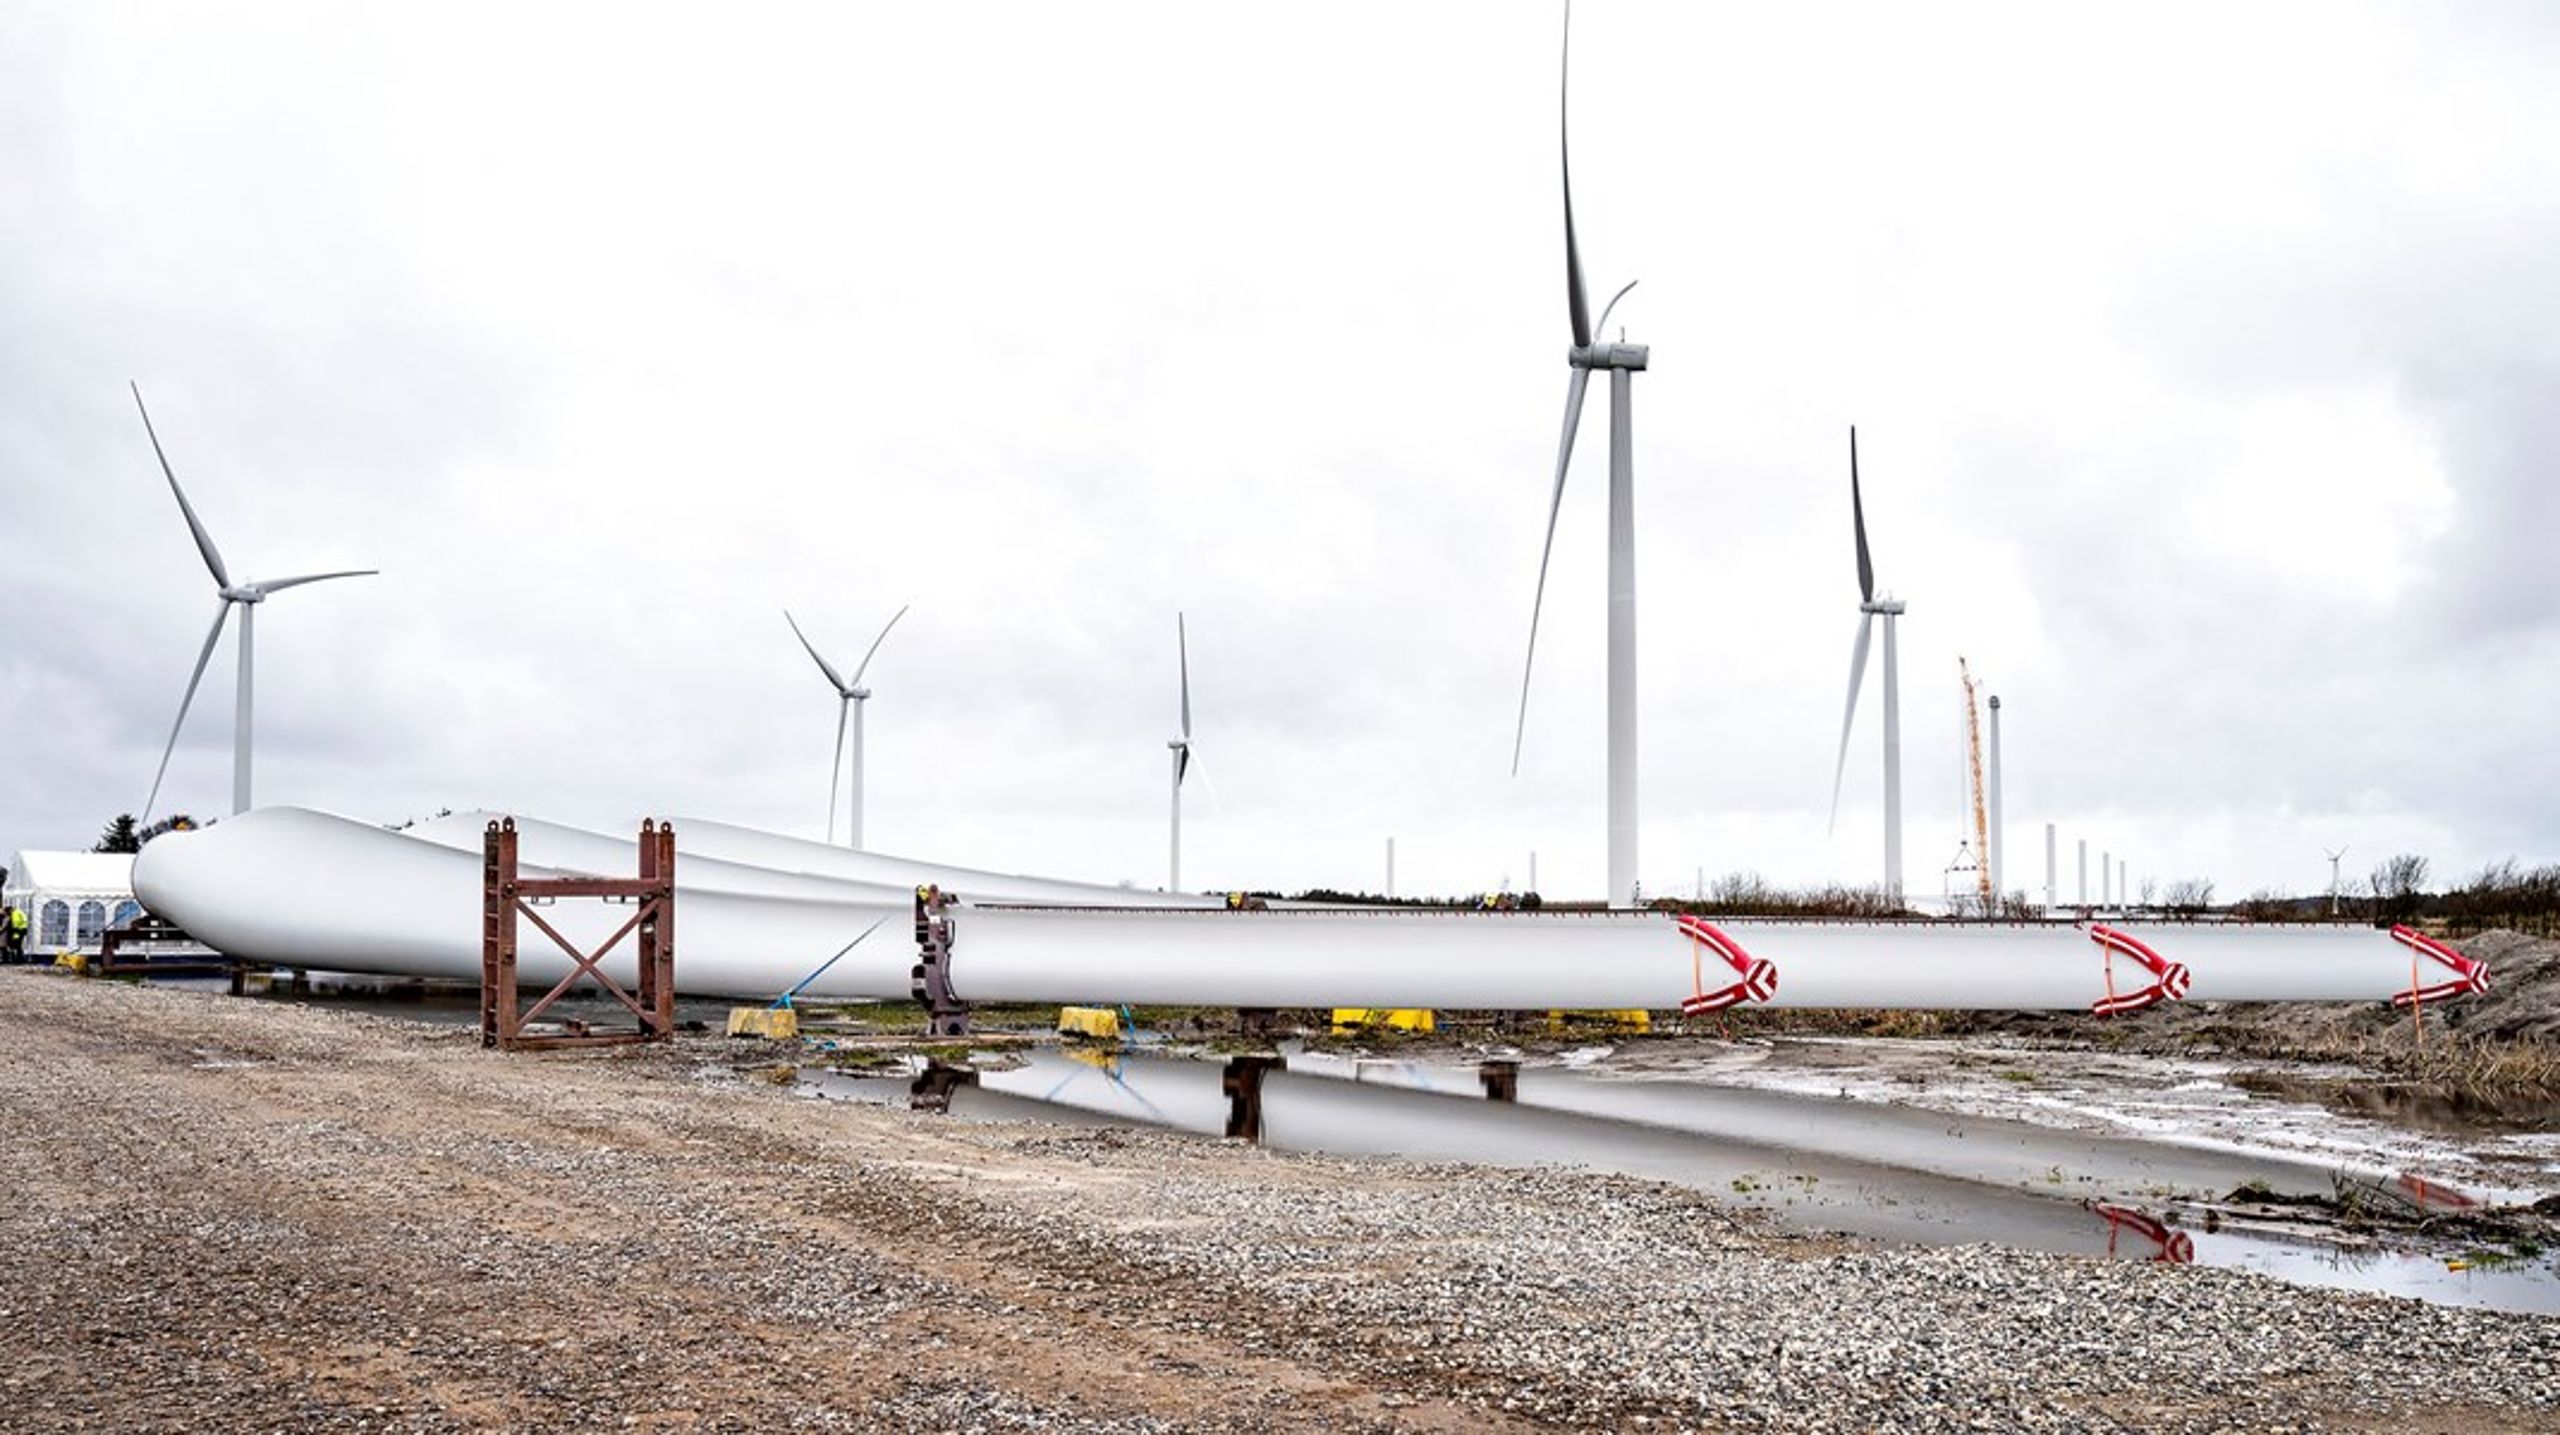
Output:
x=505 y=897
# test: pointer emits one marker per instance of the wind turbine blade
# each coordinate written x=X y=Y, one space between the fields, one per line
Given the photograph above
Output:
x=195 y=525
x=865 y=665
x=835 y=772
x=1209 y=775
x=842 y=687
x=1181 y=765
x=1182 y=644
x=1849 y=712
x=280 y=584
x=221 y=614
x=1555 y=504
x=1572 y=251
x=1611 y=307
x=1858 y=517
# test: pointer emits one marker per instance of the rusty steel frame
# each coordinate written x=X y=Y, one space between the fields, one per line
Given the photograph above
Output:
x=147 y=928
x=945 y=1014
x=505 y=896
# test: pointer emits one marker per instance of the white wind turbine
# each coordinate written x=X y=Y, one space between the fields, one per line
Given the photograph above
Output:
x=1622 y=361
x=1870 y=608
x=850 y=698
x=246 y=597
x=1181 y=751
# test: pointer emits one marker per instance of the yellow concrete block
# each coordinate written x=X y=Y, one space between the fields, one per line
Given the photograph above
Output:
x=1628 y=1020
x=1100 y=1023
x=771 y=1023
x=1355 y=1018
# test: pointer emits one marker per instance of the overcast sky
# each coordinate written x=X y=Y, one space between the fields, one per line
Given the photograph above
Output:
x=2203 y=356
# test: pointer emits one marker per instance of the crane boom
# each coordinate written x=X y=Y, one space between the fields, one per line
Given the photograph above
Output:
x=1973 y=769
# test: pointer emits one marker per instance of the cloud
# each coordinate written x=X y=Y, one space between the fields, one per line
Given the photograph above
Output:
x=2197 y=386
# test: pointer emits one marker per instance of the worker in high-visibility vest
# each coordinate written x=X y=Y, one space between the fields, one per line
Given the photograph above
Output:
x=17 y=934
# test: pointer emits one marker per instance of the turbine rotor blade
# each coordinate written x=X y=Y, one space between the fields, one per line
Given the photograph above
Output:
x=1574 y=301
x=1181 y=764
x=1555 y=504
x=1209 y=775
x=843 y=688
x=1611 y=307
x=1182 y=643
x=1858 y=518
x=835 y=772
x=221 y=614
x=195 y=525
x=1849 y=712
x=278 y=585
x=865 y=665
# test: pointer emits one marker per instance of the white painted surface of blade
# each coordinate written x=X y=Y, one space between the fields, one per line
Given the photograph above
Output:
x=221 y=613
x=278 y=585
x=1555 y=505
x=835 y=769
x=865 y=665
x=204 y=541
x=293 y=887
x=1858 y=521
x=1577 y=308
x=1849 y=711
x=843 y=688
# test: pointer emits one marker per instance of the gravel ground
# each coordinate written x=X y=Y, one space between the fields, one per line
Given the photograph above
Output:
x=236 y=1215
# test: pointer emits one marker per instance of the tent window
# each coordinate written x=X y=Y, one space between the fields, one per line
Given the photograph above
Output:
x=127 y=912
x=53 y=923
x=93 y=921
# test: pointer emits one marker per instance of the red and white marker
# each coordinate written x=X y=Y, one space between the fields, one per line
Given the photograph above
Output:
x=1759 y=977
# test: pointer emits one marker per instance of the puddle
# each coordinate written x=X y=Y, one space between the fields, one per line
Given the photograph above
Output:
x=2205 y=1104
x=1817 y=1163
x=2401 y=1104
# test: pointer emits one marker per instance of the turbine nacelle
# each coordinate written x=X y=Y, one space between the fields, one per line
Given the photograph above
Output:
x=1890 y=607
x=1609 y=356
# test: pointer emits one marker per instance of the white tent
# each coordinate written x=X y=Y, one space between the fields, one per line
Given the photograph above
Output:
x=71 y=898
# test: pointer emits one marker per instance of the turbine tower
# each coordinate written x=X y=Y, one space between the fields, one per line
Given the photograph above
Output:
x=1621 y=362
x=1870 y=608
x=246 y=597
x=850 y=698
x=1182 y=762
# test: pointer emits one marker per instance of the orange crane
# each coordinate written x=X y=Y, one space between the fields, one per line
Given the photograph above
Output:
x=1973 y=766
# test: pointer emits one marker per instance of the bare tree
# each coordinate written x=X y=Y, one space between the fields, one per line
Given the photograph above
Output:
x=2189 y=896
x=2400 y=887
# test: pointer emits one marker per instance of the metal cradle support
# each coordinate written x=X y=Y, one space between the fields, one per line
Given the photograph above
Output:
x=505 y=896
x=944 y=1013
x=1242 y=1083
x=931 y=1090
